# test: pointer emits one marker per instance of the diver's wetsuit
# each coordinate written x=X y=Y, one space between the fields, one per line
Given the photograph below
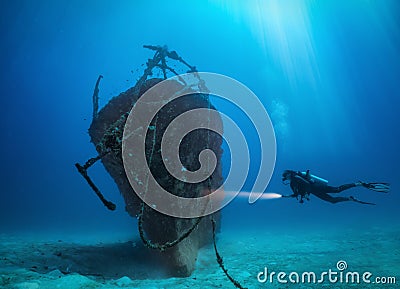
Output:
x=303 y=184
x=303 y=187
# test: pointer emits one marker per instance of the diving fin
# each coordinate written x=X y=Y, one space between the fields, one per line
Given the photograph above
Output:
x=377 y=187
x=361 y=202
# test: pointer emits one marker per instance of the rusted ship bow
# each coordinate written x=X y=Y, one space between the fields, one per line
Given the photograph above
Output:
x=177 y=240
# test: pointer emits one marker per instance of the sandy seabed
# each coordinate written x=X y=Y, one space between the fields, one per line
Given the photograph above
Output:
x=27 y=263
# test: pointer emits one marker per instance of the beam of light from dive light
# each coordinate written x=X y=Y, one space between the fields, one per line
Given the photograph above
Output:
x=264 y=196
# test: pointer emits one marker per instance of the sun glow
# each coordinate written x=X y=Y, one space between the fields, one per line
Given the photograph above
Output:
x=284 y=31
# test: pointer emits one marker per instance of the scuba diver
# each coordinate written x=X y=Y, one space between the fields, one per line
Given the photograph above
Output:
x=303 y=184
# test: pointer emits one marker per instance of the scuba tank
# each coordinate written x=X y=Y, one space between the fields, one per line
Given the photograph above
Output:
x=312 y=178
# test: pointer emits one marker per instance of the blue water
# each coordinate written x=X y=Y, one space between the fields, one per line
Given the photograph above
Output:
x=326 y=71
